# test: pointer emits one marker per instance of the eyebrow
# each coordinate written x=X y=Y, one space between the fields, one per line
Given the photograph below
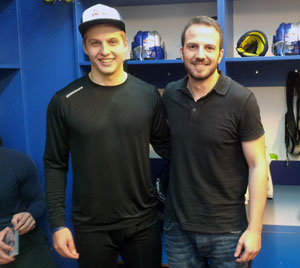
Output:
x=92 y=39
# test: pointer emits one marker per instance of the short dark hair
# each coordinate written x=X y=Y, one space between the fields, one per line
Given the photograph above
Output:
x=203 y=20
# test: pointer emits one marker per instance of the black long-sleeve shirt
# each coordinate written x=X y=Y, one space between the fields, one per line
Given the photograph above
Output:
x=20 y=189
x=107 y=129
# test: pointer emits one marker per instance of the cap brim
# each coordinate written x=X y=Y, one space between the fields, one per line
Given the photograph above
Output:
x=86 y=25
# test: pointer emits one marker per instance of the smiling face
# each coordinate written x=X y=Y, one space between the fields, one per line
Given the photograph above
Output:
x=201 y=51
x=105 y=46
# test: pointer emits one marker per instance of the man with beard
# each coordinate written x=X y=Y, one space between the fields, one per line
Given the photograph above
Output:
x=217 y=142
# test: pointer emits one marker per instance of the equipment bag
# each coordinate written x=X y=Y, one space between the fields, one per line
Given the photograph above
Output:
x=292 y=116
x=286 y=40
x=147 y=45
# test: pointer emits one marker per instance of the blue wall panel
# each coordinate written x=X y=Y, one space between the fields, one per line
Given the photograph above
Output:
x=9 y=46
x=47 y=65
x=12 y=124
x=284 y=173
x=280 y=247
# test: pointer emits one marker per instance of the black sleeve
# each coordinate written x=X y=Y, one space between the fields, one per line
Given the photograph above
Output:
x=56 y=157
x=31 y=192
x=160 y=135
x=250 y=127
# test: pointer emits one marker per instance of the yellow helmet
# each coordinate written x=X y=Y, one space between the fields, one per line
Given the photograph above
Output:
x=252 y=43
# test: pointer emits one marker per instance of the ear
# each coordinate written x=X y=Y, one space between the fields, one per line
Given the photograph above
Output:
x=84 y=46
x=181 y=52
x=221 y=54
x=125 y=40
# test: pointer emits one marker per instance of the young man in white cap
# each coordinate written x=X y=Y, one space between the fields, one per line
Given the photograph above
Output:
x=106 y=119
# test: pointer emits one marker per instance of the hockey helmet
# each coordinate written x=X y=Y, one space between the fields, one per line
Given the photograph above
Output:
x=252 y=43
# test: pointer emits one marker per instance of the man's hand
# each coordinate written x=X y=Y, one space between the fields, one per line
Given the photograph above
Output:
x=64 y=245
x=248 y=246
x=23 y=222
x=4 y=258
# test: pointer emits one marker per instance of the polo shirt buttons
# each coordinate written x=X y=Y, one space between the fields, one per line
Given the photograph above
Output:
x=194 y=110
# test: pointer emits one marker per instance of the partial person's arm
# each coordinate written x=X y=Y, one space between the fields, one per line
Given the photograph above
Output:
x=56 y=157
x=250 y=242
x=4 y=258
x=32 y=196
x=160 y=134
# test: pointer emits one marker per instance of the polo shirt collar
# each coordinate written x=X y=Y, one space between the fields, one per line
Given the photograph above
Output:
x=223 y=84
x=221 y=87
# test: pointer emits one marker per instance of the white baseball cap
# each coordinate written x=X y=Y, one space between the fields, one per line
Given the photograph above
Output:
x=100 y=14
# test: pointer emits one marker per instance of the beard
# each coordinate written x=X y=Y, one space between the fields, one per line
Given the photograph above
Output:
x=203 y=75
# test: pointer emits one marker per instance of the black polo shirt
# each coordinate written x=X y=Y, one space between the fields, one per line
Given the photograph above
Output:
x=209 y=173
